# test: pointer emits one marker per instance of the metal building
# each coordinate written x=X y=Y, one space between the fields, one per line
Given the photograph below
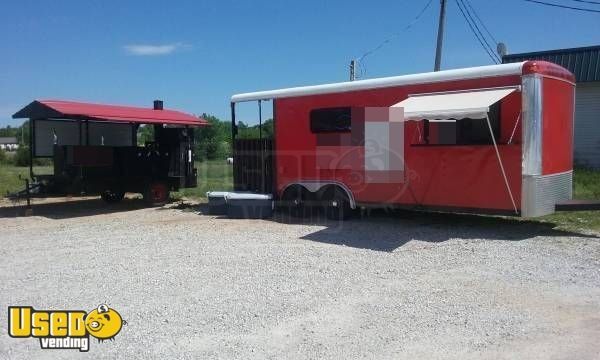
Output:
x=584 y=62
x=9 y=143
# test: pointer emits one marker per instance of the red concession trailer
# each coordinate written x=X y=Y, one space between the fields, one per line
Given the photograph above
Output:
x=490 y=139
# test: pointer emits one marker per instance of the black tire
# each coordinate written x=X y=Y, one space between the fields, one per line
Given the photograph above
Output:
x=112 y=197
x=337 y=205
x=156 y=194
x=293 y=201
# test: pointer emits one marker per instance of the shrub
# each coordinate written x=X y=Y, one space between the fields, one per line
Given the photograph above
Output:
x=21 y=157
x=3 y=157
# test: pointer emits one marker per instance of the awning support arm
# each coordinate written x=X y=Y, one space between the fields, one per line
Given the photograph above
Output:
x=512 y=135
x=512 y=199
x=262 y=154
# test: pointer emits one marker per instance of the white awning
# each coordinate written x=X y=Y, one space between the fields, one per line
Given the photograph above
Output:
x=474 y=104
x=479 y=72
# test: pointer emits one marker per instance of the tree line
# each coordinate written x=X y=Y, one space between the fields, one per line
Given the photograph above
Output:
x=214 y=141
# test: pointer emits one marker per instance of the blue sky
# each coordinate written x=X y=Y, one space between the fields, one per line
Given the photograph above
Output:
x=195 y=54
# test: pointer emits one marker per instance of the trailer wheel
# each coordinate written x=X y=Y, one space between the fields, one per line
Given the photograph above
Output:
x=156 y=194
x=293 y=201
x=337 y=204
x=111 y=196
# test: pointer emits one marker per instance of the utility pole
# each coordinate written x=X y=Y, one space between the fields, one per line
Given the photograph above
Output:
x=352 y=70
x=440 y=36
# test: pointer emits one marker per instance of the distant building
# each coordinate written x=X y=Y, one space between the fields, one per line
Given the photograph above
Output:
x=9 y=143
x=584 y=62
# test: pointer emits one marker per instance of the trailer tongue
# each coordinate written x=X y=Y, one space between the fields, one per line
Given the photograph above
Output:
x=94 y=150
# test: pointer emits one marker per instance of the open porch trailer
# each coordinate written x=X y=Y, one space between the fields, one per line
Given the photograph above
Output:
x=94 y=150
x=490 y=139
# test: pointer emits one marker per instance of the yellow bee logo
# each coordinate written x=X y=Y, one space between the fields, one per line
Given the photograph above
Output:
x=104 y=323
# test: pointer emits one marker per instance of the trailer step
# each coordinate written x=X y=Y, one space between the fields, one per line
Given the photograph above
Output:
x=578 y=205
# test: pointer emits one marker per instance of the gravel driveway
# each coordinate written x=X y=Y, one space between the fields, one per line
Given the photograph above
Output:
x=406 y=285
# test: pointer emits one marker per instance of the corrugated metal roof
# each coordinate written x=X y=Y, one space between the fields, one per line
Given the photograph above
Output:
x=8 y=140
x=584 y=62
x=115 y=113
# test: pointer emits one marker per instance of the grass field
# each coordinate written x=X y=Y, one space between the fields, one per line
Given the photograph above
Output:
x=9 y=177
x=217 y=175
x=213 y=175
x=586 y=185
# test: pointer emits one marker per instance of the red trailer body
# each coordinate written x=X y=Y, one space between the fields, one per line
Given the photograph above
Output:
x=487 y=139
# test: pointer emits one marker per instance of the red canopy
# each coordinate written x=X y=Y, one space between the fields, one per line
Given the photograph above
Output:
x=45 y=109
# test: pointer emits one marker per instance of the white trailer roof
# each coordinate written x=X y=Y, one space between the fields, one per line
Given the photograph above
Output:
x=424 y=78
x=473 y=104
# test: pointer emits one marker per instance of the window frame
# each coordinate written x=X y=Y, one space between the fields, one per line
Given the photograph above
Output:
x=319 y=115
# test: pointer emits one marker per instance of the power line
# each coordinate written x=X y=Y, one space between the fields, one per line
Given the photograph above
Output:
x=362 y=72
x=491 y=50
x=588 y=2
x=386 y=41
x=490 y=54
x=480 y=21
x=563 y=6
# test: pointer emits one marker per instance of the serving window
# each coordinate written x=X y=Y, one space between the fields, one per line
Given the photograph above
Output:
x=465 y=117
x=460 y=131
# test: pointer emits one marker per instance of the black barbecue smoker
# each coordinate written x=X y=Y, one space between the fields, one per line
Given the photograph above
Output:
x=94 y=150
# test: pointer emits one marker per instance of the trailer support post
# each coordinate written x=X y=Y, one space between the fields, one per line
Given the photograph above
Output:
x=134 y=129
x=31 y=135
x=262 y=158
x=87 y=132
x=233 y=125
x=28 y=209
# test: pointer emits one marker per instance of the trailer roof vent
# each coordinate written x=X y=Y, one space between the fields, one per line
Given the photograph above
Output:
x=158 y=104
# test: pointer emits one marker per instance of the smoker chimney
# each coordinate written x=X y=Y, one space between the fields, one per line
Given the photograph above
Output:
x=158 y=105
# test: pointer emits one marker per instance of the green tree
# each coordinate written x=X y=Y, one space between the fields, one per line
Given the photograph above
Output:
x=8 y=131
x=213 y=141
x=20 y=132
x=145 y=134
x=253 y=132
x=21 y=157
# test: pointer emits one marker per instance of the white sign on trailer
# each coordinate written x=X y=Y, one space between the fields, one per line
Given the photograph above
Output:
x=113 y=134
x=47 y=133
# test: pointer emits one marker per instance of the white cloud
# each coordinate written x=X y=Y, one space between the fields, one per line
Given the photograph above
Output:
x=153 y=50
